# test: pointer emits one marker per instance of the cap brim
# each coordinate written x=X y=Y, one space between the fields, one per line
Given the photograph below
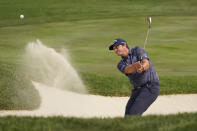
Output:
x=111 y=47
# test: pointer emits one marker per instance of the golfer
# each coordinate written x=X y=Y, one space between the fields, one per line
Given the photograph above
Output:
x=136 y=65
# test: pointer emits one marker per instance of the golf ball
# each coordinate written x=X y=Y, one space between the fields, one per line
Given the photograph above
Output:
x=21 y=16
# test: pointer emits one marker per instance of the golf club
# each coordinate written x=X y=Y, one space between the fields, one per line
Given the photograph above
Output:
x=149 y=28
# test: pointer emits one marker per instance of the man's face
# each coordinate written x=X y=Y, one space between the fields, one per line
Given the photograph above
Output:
x=120 y=50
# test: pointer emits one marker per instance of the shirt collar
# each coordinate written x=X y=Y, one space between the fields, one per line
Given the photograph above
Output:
x=130 y=52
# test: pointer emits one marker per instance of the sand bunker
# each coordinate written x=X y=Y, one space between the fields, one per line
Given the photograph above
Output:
x=57 y=102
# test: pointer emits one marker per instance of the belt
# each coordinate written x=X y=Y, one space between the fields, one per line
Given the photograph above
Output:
x=146 y=85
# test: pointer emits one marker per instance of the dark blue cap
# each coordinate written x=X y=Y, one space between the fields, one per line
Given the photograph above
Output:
x=116 y=42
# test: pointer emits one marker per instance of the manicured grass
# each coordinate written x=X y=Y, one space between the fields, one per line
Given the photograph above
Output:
x=180 y=122
x=171 y=46
x=72 y=10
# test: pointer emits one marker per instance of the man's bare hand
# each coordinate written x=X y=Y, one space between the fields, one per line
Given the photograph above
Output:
x=139 y=67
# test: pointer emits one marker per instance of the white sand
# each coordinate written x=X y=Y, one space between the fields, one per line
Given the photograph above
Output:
x=57 y=102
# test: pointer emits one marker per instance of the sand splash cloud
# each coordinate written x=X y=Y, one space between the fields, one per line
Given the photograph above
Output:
x=47 y=66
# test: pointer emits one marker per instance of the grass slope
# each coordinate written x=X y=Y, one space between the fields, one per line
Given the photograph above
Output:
x=17 y=92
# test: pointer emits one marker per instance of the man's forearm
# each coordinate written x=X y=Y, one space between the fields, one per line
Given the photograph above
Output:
x=138 y=66
x=130 y=69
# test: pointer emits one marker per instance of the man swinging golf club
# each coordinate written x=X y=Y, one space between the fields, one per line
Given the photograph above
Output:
x=136 y=65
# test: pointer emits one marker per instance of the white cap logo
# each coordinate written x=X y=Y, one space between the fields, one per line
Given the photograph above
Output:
x=115 y=41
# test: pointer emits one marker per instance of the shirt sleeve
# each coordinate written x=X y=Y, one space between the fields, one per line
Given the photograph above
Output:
x=141 y=54
x=121 y=66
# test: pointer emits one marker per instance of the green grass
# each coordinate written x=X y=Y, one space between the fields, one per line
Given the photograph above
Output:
x=72 y=10
x=171 y=46
x=180 y=122
x=87 y=27
x=119 y=85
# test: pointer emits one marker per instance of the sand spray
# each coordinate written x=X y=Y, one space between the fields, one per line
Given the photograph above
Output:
x=47 y=66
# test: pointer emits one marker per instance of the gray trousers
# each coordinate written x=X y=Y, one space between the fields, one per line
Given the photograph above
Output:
x=142 y=98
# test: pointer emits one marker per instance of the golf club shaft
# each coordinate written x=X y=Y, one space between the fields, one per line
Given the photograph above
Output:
x=149 y=27
x=145 y=42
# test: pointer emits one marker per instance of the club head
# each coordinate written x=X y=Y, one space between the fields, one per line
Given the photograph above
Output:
x=149 y=21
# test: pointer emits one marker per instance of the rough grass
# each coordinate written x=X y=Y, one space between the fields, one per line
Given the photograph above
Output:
x=179 y=122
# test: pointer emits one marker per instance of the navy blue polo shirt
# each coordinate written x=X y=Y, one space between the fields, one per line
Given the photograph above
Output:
x=138 y=79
